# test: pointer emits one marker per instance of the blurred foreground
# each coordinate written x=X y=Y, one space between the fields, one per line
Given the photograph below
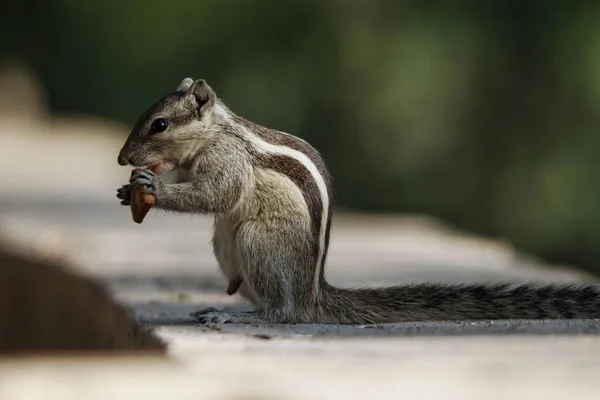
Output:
x=47 y=309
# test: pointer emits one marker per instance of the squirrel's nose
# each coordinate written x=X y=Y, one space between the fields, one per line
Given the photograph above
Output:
x=123 y=160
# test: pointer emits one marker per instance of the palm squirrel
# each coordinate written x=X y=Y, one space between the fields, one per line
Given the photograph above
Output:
x=271 y=197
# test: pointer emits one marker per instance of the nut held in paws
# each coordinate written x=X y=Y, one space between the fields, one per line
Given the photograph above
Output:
x=140 y=203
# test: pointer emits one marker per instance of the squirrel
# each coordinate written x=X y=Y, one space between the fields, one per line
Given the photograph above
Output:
x=272 y=200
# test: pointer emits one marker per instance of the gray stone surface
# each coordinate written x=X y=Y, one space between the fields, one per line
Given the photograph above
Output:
x=164 y=269
x=177 y=273
x=169 y=314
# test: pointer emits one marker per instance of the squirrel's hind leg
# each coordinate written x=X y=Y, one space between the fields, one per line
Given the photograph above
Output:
x=214 y=316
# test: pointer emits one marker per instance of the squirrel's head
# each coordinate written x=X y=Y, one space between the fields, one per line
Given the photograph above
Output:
x=171 y=128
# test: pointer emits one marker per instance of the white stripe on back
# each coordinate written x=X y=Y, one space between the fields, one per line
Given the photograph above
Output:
x=272 y=149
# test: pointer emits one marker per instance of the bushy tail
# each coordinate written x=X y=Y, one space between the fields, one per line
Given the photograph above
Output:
x=459 y=302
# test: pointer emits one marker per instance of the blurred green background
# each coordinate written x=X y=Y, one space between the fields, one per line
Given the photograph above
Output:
x=483 y=114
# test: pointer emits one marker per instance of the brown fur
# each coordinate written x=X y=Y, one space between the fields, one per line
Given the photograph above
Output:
x=298 y=174
x=460 y=302
x=301 y=177
x=266 y=190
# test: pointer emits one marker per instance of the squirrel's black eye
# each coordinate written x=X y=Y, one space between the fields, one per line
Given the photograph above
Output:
x=159 y=125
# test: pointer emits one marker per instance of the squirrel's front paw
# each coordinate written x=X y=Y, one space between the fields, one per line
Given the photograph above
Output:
x=147 y=178
x=124 y=194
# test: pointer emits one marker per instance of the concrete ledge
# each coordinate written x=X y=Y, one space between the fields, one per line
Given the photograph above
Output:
x=212 y=366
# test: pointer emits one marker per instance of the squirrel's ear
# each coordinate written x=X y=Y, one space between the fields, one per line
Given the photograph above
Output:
x=203 y=94
x=185 y=85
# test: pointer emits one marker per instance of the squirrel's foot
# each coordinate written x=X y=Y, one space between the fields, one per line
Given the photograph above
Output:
x=214 y=316
x=147 y=178
x=124 y=194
